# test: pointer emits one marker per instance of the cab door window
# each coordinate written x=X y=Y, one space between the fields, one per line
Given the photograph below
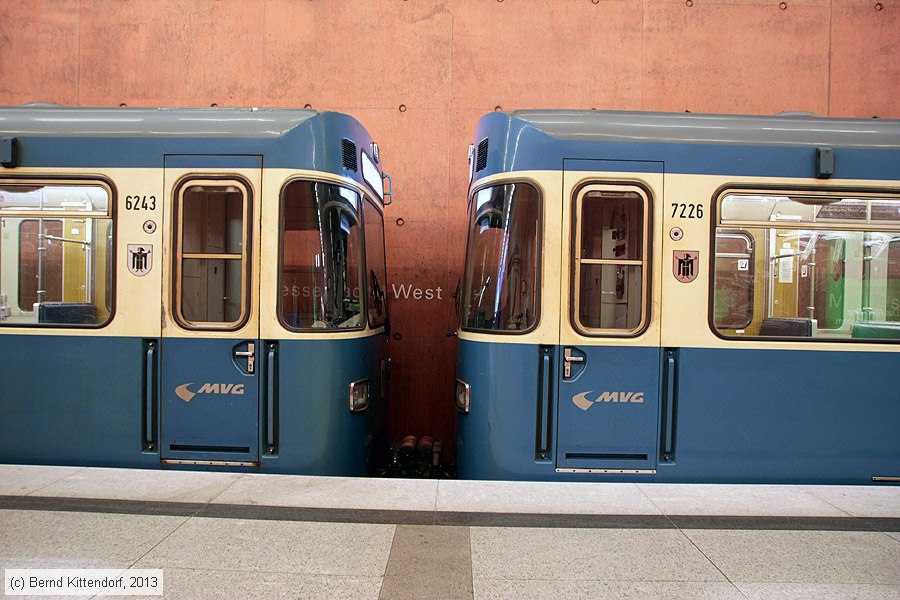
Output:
x=610 y=262
x=212 y=267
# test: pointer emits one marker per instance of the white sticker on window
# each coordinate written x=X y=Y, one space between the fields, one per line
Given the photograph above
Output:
x=786 y=270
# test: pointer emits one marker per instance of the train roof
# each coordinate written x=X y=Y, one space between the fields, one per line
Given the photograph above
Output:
x=53 y=136
x=801 y=129
x=776 y=146
x=56 y=120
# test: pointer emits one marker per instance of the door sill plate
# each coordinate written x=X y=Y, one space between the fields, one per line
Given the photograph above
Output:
x=614 y=471
x=218 y=463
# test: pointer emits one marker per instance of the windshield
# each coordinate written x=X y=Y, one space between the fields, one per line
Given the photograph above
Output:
x=321 y=279
x=377 y=277
x=500 y=285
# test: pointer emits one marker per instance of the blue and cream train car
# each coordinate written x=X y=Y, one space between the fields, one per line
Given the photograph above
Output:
x=681 y=298
x=199 y=288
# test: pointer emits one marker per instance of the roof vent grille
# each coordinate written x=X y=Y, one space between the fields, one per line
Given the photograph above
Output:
x=481 y=158
x=348 y=154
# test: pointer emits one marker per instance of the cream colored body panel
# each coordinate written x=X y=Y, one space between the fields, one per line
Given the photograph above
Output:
x=685 y=322
x=679 y=312
x=143 y=305
x=137 y=303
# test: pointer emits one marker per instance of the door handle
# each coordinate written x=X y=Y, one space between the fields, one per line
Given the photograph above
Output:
x=568 y=359
x=250 y=354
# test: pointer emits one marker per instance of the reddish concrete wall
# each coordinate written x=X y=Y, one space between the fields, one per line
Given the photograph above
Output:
x=419 y=73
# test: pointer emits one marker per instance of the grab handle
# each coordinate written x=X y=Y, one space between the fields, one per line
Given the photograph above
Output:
x=271 y=392
x=149 y=441
x=390 y=191
x=542 y=452
x=668 y=441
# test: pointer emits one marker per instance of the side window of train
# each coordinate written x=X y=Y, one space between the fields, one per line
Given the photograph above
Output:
x=376 y=280
x=501 y=283
x=56 y=253
x=320 y=270
x=212 y=260
x=807 y=265
x=610 y=260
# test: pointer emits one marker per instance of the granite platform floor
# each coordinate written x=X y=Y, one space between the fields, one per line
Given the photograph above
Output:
x=223 y=535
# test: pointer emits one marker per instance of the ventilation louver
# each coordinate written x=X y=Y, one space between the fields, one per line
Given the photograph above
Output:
x=481 y=158
x=348 y=154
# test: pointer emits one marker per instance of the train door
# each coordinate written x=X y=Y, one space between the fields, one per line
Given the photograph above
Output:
x=210 y=347
x=609 y=355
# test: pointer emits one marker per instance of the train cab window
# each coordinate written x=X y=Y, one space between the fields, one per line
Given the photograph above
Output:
x=501 y=282
x=212 y=254
x=56 y=250
x=610 y=265
x=376 y=280
x=827 y=266
x=321 y=257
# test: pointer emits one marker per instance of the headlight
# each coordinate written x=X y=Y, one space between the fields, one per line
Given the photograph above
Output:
x=359 y=395
x=461 y=396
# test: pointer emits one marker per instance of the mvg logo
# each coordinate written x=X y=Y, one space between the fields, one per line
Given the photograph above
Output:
x=185 y=393
x=582 y=401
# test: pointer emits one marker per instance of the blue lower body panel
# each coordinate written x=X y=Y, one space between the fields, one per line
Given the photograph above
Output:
x=74 y=400
x=608 y=410
x=316 y=432
x=209 y=400
x=94 y=401
x=737 y=415
x=786 y=416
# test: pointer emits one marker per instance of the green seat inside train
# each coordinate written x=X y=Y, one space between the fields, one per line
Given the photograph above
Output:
x=877 y=330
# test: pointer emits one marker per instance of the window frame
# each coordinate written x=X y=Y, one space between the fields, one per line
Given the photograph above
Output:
x=364 y=304
x=387 y=312
x=646 y=261
x=539 y=276
x=110 y=214
x=715 y=221
x=179 y=255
